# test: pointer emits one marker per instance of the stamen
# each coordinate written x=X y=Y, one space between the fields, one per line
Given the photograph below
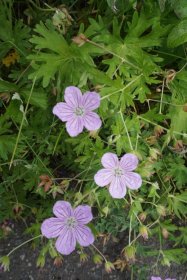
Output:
x=79 y=111
x=71 y=222
x=118 y=172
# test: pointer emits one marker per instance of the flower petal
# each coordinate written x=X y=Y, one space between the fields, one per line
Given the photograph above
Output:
x=155 y=278
x=83 y=214
x=84 y=235
x=91 y=121
x=110 y=160
x=52 y=227
x=132 y=180
x=117 y=188
x=63 y=111
x=62 y=209
x=66 y=242
x=73 y=96
x=91 y=100
x=129 y=162
x=74 y=126
x=103 y=177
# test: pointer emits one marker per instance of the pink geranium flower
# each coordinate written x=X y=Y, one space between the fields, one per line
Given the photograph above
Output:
x=118 y=174
x=77 y=111
x=69 y=227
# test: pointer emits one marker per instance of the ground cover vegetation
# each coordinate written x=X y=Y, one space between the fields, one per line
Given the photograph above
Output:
x=93 y=125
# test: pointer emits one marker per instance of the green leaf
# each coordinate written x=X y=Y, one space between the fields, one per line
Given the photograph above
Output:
x=178 y=35
x=7 y=143
x=175 y=255
x=38 y=98
x=162 y=4
x=7 y=86
x=180 y=8
x=178 y=119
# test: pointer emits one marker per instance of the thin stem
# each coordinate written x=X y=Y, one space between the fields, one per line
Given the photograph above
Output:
x=153 y=123
x=21 y=125
x=114 y=54
x=162 y=94
x=41 y=9
x=136 y=145
x=23 y=72
x=86 y=194
x=87 y=171
x=58 y=138
x=170 y=54
x=99 y=252
x=122 y=89
x=130 y=229
x=137 y=218
x=130 y=196
x=168 y=103
x=130 y=143
x=27 y=241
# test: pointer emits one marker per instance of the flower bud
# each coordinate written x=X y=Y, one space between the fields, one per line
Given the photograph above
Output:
x=178 y=146
x=79 y=39
x=166 y=261
x=83 y=257
x=151 y=140
x=142 y=216
x=58 y=261
x=93 y=134
x=5 y=263
x=17 y=208
x=154 y=153
x=165 y=233
x=109 y=267
x=105 y=210
x=161 y=210
x=158 y=130
x=130 y=253
x=144 y=232
x=97 y=259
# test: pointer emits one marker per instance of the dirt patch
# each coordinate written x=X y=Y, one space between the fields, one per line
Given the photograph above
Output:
x=23 y=264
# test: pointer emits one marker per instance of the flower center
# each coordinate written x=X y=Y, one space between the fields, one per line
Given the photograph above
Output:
x=118 y=172
x=79 y=111
x=71 y=222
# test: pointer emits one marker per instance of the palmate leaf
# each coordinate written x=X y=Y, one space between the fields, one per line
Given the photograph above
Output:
x=180 y=8
x=12 y=35
x=38 y=97
x=53 y=52
x=145 y=32
x=7 y=143
x=55 y=55
x=178 y=35
x=49 y=39
x=175 y=255
x=177 y=204
x=178 y=119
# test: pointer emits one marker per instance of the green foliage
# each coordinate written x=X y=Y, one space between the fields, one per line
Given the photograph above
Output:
x=133 y=54
x=178 y=35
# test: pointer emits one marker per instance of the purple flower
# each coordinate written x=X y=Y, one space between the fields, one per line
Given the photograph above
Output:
x=69 y=227
x=118 y=174
x=77 y=111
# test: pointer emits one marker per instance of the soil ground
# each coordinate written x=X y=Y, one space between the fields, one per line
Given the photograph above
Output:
x=23 y=264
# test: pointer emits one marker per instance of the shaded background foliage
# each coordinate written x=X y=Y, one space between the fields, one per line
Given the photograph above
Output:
x=134 y=54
